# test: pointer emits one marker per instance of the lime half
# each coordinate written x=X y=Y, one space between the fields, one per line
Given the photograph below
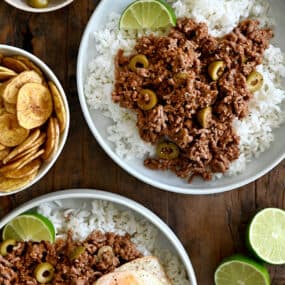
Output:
x=29 y=227
x=241 y=270
x=150 y=14
x=266 y=235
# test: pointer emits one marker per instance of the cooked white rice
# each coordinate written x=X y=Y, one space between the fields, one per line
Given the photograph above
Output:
x=221 y=16
x=107 y=217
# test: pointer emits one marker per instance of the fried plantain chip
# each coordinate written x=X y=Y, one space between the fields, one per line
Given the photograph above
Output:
x=4 y=152
x=11 y=88
x=29 y=64
x=11 y=184
x=2 y=146
x=58 y=106
x=18 y=164
x=52 y=138
x=10 y=108
x=34 y=105
x=11 y=133
x=27 y=170
x=33 y=149
x=6 y=73
x=14 y=64
x=26 y=144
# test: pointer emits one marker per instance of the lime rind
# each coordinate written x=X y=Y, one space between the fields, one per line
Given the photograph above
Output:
x=148 y=14
x=29 y=226
x=266 y=236
x=240 y=269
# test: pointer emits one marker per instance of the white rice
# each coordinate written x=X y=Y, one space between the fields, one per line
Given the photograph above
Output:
x=107 y=217
x=221 y=16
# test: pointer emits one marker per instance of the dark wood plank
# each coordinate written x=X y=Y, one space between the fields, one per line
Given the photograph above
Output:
x=210 y=227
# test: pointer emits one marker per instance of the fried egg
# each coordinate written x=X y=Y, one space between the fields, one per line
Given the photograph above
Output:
x=141 y=271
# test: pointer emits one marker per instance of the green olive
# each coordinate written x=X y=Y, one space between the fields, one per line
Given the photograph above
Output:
x=216 y=69
x=103 y=250
x=44 y=272
x=38 y=3
x=138 y=61
x=167 y=150
x=254 y=81
x=243 y=59
x=77 y=251
x=204 y=116
x=7 y=246
x=147 y=100
x=181 y=76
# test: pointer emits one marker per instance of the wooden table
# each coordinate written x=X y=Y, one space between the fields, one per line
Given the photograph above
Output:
x=210 y=227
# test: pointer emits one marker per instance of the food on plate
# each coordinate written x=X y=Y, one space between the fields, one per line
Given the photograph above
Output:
x=217 y=85
x=38 y=3
x=105 y=246
x=240 y=269
x=143 y=14
x=197 y=85
x=32 y=116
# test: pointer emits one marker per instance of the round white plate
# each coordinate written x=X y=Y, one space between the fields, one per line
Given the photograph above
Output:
x=81 y=198
x=166 y=180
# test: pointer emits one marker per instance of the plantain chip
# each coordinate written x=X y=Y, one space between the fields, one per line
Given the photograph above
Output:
x=11 y=88
x=3 y=153
x=29 y=64
x=10 y=108
x=11 y=133
x=6 y=73
x=33 y=149
x=58 y=106
x=34 y=105
x=14 y=64
x=11 y=184
x=52 y=138
x=18 y=164
x=2 y=146
x=27 y=170
x=26 y=144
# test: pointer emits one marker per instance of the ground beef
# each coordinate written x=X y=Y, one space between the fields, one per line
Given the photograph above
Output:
x=189 y=49
x=103 y=253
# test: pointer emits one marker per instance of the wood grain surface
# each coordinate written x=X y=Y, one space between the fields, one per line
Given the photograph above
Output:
x=210 y=227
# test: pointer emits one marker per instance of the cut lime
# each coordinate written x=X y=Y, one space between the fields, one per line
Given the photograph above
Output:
x=266 y=235
x=34 y=227
x=150 y=14
x=241 y=270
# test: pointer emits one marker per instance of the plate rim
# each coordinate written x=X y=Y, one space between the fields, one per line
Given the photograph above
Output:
x=82 y=193
x=120 y=162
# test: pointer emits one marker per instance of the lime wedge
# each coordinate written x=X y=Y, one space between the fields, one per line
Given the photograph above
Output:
x=34 y=227
x=266 y=235
x=241 y=270
x=150 y=14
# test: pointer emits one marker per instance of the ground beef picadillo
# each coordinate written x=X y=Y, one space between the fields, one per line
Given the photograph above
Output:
x=19 y=265
x=190 y=49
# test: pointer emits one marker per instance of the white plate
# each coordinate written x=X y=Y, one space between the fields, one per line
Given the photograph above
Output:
x=53 y=5
x=166 y=180
x=80 y=198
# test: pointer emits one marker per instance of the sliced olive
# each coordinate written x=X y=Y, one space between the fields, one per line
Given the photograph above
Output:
x=254 y=81
x=138 y=61
x=77 y=251
x=147 y=99
x=204 y=116
x=216 y=69
x=44 y=272
x=103 y=250
x=181 y=76
x=167 y=150
x=38 y=3
x=7 y=246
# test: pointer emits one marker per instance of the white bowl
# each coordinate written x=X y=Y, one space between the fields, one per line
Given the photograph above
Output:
x=165 y=180
x=80 y=198
x=53 y=5
x=46 y=166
